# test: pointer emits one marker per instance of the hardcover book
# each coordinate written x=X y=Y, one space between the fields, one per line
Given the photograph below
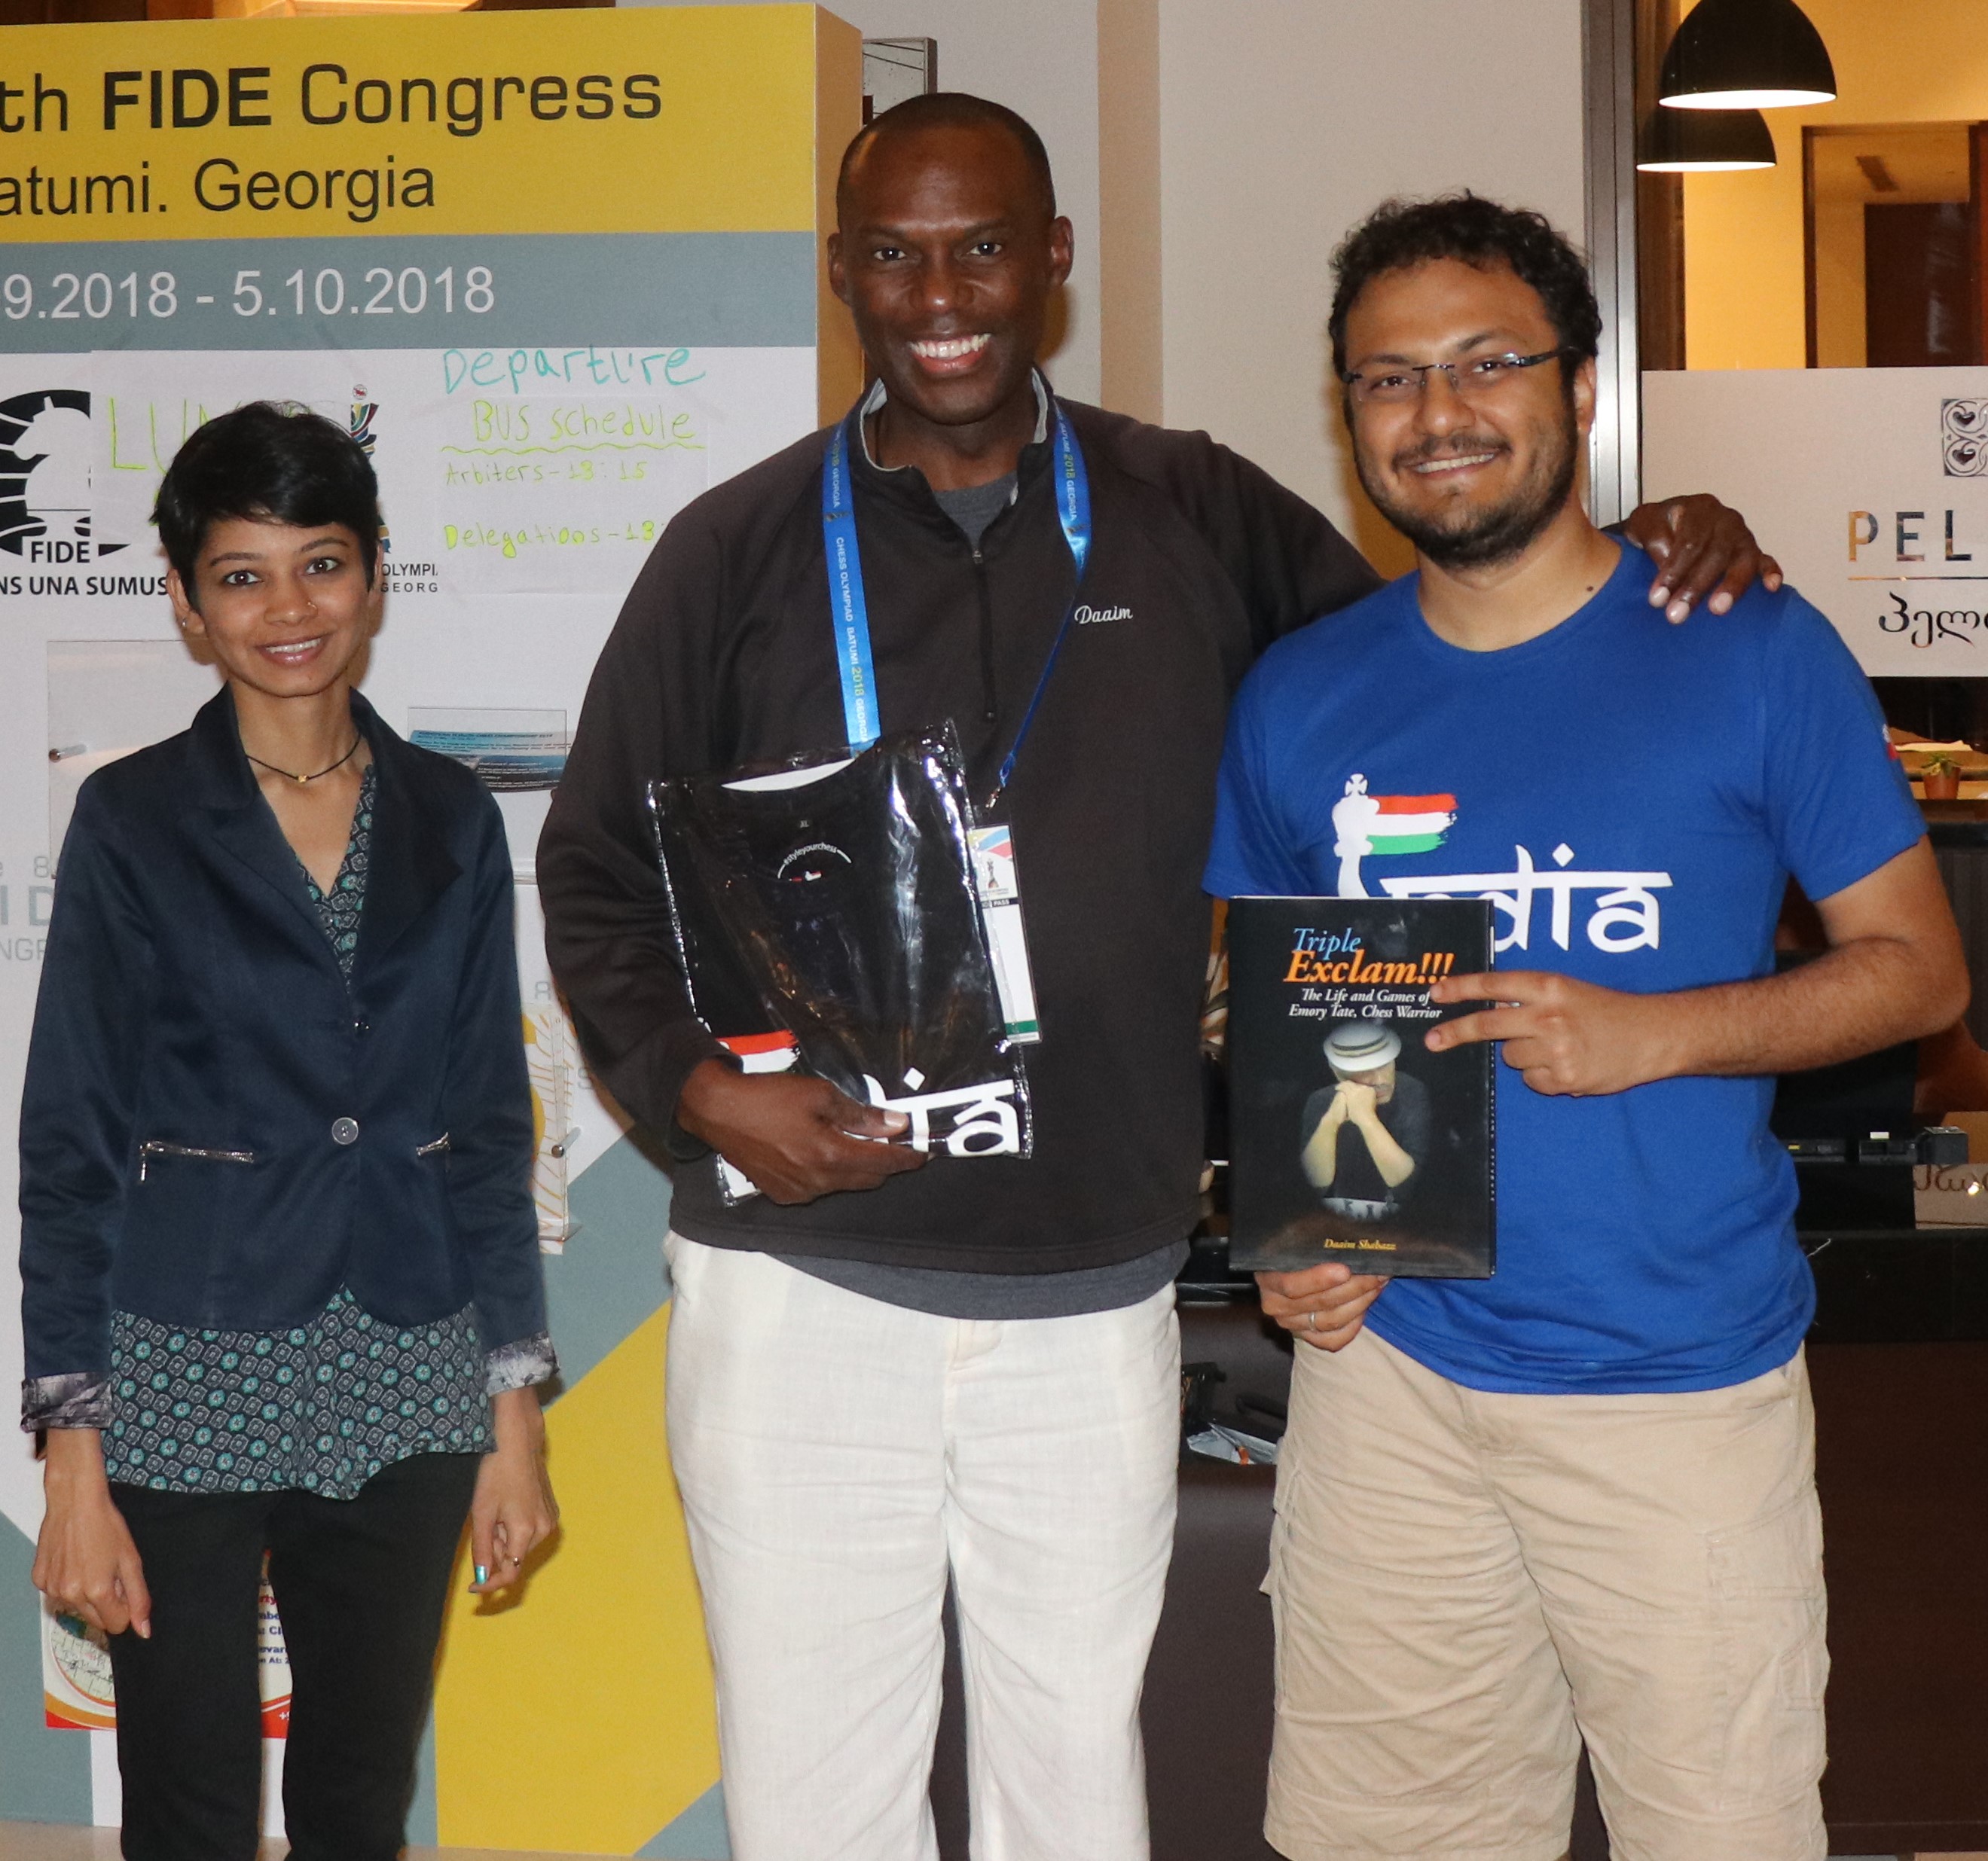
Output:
x=1349 y=1139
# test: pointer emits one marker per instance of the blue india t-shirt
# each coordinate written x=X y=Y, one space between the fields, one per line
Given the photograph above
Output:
x=1633 y=797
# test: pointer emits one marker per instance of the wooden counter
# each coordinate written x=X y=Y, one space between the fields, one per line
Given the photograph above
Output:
x=1902 y=1463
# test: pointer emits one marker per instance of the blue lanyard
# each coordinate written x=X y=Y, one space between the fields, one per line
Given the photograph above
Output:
x=851 y=608
x=846 y=596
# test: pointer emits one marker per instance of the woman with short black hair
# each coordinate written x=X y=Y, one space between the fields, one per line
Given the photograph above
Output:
x=282 y=1289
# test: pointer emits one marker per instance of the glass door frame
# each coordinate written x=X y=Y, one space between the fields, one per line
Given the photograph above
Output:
x=1609 y=69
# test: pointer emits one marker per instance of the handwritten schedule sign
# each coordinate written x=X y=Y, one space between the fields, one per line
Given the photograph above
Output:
x=547 y=493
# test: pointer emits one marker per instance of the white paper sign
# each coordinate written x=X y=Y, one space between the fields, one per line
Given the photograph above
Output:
x=1871 y=486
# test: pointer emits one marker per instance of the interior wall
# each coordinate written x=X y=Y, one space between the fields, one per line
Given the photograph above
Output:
x=1128 y=203
x=1905 y=61
x=1284 y=122
x=1839 y=297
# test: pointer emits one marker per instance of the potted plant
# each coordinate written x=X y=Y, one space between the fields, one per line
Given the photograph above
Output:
x=1941 y=778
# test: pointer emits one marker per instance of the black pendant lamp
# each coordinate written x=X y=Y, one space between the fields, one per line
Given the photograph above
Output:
x=1704 y=142
x=1747 y=54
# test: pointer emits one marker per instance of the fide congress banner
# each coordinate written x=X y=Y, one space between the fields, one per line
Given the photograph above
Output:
x=559 y=272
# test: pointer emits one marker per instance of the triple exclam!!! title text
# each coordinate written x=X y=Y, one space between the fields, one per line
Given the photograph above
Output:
x=243 y=97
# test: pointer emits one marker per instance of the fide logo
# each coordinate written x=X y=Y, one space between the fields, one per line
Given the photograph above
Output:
x=1963 y=437
x=44 y=450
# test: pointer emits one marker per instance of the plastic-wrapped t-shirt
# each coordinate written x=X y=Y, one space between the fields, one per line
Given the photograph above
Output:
x=834 y=903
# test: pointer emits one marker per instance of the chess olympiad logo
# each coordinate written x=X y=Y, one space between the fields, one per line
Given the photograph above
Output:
x=1963 y=438
x=44 y=454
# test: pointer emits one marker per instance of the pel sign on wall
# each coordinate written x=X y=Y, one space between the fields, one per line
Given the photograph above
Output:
x=1907 y=536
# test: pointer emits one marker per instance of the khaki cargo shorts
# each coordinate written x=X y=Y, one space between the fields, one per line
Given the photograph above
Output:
x=1466 y=1585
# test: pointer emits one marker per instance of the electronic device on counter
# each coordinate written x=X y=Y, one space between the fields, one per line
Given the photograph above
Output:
x=1851 y=1131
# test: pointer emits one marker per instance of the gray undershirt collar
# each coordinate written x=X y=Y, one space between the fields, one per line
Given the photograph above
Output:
x=977 y=506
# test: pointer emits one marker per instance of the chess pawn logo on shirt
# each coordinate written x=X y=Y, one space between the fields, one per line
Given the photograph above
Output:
x=1365 y=826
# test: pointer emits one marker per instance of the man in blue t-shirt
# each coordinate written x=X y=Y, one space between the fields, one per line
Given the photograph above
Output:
x=1583 y=1489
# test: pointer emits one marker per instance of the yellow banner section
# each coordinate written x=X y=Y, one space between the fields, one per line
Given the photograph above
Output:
x=656 y=120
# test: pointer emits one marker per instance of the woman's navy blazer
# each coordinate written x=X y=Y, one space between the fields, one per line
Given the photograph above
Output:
x=217 y=1128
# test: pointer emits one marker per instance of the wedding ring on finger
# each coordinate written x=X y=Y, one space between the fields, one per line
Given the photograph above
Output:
x=1311 y=1321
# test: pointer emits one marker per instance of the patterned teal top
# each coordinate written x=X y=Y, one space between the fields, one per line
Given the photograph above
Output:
x=323 y=1407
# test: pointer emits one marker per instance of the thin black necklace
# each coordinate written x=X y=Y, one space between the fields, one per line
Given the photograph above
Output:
x=291 y=775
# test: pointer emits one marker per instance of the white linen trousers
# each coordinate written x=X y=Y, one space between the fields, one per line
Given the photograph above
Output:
x=838 y=1457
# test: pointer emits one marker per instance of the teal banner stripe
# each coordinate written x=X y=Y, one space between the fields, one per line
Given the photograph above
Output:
x=750 y=290
x=611 y=1276
x=699 y=1834
x=44 y=1775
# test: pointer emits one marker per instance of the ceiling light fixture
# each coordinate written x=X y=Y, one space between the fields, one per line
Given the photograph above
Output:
x=1704 y=142
x=1747 y=54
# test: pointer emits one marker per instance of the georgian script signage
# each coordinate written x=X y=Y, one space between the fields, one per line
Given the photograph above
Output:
x=1870 y=484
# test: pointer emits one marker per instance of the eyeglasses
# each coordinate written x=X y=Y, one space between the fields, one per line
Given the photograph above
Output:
x=1481 y=375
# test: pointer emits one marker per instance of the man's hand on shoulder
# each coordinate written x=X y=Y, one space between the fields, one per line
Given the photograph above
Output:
x=1700 y=547
x=797 y=1138
x=1564 y=1037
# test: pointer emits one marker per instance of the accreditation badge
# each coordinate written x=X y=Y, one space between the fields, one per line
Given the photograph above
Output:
x=998 y=887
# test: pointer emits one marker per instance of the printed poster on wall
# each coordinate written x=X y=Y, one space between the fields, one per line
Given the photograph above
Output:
x=79 y=1694
x=558 y=273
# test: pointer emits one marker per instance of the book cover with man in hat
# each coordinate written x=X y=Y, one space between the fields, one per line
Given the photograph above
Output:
x=1349 y=1139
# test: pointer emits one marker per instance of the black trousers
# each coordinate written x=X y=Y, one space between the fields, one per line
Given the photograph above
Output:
x=360 y=1585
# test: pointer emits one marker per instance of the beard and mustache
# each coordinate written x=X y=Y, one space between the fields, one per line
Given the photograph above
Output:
x=1462 y=535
